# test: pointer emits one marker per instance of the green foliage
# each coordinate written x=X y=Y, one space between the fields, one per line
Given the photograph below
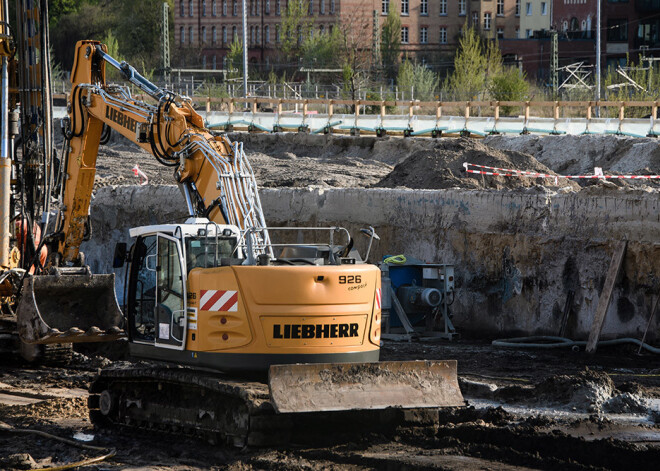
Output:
x=112 y=74
x=390 y=41
x=321 y=50
x=509 y=85
x=417 y=80
x=468 y=78
x=294 y=23
x=235 y=59
x=135 y=25
x=617 y=88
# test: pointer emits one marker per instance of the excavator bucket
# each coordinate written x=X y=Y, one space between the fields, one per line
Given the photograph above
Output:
x=350 y=386
x=69 y=308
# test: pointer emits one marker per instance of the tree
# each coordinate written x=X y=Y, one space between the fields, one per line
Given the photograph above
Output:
x=509 y=85
x=390 y=41
x=419 y=78
x=295 y=27
x=235 y=59
x=321 y=50
x=468 y=79
x=354 y=50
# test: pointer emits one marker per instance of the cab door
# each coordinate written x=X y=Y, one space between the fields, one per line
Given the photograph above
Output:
x=170 y=310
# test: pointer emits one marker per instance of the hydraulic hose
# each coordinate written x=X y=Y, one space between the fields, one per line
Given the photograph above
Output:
x=549 y=341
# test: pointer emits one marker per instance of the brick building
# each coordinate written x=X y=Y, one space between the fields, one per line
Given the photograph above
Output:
x=205 y=29
x=627 y=26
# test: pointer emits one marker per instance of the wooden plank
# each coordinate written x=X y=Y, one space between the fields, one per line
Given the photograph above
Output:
x=606 y=296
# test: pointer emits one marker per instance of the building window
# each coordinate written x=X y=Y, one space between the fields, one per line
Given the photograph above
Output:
x=487 y=21
x=203 y=7
x=332 y=7
x=278 y=38
x=267 y=7
x=443 y=35
x=322 y=7
x=214 y=35
x=528 y=33
x=300 y=35
x=234 y=8
x=258 y=35
x=404 y=7
x=500 y=33
x=517 y=7
x=182 y=35
x=528 y=9
x=190 y=8
x=517 y=32
x=443 y=7
x=475 y=18
x=191 y=35
x=224 y=7
x=267 y=34
x=215 y=62
x=203 y=34
x=404 y=35
x=203 y=62
x=214 y=12
x=310 y=9
x=424 y=7
x=617 y=30
x=321 y=30
x=224 y=35
x=182 y=9
x=544 y=8
x=251 y=34
x=461 y=7
x=278 y=7
x=234 y=35
x=500 y=7
x=423 y=35
x=384 y=6
x=252 y=5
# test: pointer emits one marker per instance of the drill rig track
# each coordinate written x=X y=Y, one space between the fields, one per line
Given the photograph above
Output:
x=219 y=409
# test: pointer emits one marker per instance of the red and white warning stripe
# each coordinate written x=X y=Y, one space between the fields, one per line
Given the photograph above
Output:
x=522 y=173
x=218 y=300
x=378 y=297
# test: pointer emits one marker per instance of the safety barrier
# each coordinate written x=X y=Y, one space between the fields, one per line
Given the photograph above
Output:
x=479 y=118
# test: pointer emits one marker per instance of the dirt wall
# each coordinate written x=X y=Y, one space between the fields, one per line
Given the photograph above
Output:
x=517 y=254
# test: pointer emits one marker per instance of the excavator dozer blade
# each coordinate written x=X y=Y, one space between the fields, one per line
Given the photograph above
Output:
x=351 y=386
x=69 y=308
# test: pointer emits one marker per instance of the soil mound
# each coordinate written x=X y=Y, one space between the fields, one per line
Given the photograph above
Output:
x=442 y=167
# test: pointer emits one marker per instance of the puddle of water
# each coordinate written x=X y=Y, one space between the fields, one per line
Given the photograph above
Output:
x=567 y=415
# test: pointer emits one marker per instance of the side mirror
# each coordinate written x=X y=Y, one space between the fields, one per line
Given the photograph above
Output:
x=120 y=255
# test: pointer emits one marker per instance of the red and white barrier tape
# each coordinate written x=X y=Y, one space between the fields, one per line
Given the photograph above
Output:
x=522 y=173
x=141 y=176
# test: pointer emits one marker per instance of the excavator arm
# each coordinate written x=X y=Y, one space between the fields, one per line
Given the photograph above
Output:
x=216 y=180
x=213 y=173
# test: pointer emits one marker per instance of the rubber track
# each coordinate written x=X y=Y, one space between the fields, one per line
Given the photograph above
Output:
x=219 y=409
x=197 y=403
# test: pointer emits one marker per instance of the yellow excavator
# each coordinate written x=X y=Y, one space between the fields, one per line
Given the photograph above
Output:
x=213 y=301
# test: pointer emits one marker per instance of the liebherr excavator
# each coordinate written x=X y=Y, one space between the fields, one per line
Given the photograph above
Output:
x=214 y=294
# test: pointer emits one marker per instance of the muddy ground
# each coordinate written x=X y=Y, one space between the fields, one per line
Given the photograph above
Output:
x=302 y=160
x=527 y=409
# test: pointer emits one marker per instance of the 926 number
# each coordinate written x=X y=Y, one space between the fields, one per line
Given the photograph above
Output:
x=349 y=279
